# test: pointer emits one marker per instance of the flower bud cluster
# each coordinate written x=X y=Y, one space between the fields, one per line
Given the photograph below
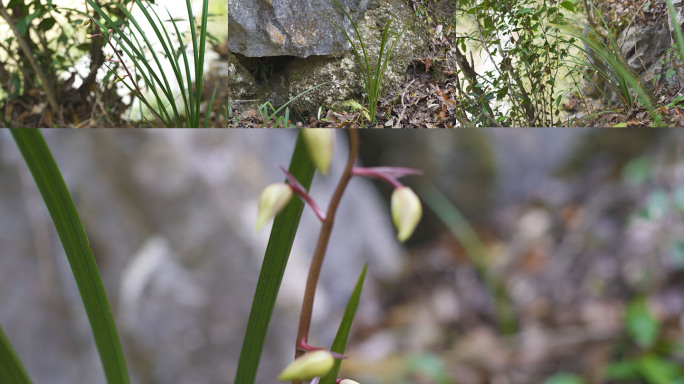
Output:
x=406 y=207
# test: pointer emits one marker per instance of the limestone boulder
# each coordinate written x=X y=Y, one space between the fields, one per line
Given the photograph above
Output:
x=343 y=72
x=261 y=28
x=241 y=82
x=643 y=47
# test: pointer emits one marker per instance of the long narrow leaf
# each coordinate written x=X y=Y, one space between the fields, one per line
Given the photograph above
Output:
x=272 y=269
x=137 y=57
x=211 y=103
x=172 y=59
x=49 y=180
x=11 y=369
x=169 y=96
x=199 y=64
x=340 y=342
x=276 y=111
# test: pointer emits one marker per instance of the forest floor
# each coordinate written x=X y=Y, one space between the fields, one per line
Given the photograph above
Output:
x=594 y=282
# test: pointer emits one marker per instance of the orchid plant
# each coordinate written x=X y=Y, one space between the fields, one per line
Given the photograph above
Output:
x=315 y=363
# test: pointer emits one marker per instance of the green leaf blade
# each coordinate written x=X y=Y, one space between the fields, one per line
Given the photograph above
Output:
x=340 y=342
x=11 y=369
x=272 y=269
x=641 y=325
x=51 y=185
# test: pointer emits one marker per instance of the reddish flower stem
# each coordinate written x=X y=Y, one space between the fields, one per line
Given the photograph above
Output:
x=386 y=174
x=322 y=245
x=301 y=191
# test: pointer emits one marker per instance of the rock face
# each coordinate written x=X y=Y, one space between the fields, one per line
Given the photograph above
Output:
x=343 y=73
x=260 y=28
x=299 y=74
x=643 y=46
x=170 y=217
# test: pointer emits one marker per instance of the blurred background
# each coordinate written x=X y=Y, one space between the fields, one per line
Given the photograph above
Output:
x=552 y=256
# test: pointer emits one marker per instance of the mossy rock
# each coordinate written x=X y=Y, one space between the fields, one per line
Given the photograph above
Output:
x=344 y=72
x=241 y=84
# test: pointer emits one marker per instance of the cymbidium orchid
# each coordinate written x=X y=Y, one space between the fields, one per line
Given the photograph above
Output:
x=319 y=145
x=406 y=207
x=273 y=199
x=313 y=363
x=406 y=212
x=310 y=365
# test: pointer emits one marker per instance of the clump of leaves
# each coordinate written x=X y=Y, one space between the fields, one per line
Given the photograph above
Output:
x=373 y=72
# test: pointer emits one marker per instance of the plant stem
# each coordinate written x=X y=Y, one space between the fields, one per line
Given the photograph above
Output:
x=322 y=245
x=128 y=73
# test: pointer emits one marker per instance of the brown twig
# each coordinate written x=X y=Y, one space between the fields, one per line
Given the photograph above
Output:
x=322 y=245
x=403 y=105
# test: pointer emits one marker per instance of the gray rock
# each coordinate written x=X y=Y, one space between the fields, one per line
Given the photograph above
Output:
x=344 y=72
x=643 y=47
x=260 y=28
x=241 y=84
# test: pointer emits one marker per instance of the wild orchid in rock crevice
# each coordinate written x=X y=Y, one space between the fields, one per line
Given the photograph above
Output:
x=313 y=363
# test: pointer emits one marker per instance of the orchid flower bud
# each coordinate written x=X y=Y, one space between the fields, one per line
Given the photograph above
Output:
x=273 y=199
x=319 y=145
x=406 y=212
x=308 y=366
x=347 y=381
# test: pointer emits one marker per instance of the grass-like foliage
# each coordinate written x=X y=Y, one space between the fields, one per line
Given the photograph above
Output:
x=604 y=59
x=340 y=342
x=610 y=66
x=272 y=270
x=373 y=73
x=273 y=114
x=152 y=71
x=52 y=188
x=12 y=371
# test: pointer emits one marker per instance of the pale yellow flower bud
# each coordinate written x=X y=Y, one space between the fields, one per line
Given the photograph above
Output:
x=308 y=366
x=319 y=145
x=406 y=212
x=273 y=199
x=347 y=381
